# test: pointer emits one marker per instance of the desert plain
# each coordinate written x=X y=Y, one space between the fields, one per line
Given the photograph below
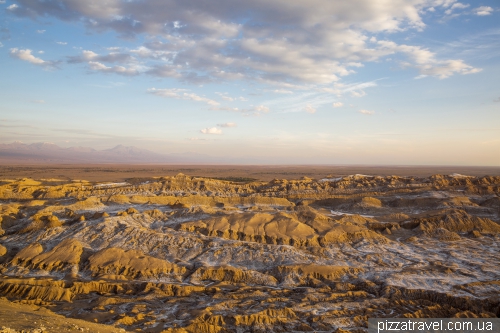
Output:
x=106 y=248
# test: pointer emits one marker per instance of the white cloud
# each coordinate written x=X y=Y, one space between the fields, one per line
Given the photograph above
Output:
x=261 y=108
x=227 y=125
x=309 y=109
x=145 y=52
x=283 y=91
x=224 y=108
x=40 y=31
x=211 y=130
x=166 y=70
x=181 y=94
x=197 y=98
x=62 y=43
x=95 y=61
x=338 y=104
x=201 y=44
x=255 y=110
x=1 y=45
x=356 y=89
x=483 y=10
x=366 y=112
x=100 y=67
x=12 y=7
x=41 y=52
x=89 y=55
x=456 y=5
x=27 y=56
x=225 y=97
x=427 y=64
x=173 y=93
x=359 y=93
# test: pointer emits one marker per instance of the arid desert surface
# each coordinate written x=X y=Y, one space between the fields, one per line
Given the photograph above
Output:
x=245 y=249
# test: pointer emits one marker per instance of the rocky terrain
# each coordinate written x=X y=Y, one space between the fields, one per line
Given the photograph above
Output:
x=190 y=254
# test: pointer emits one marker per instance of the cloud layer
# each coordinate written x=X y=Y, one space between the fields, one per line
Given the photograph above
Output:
x=280 y=41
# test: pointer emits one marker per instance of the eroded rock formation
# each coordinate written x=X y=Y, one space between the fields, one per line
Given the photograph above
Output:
x=190 y=254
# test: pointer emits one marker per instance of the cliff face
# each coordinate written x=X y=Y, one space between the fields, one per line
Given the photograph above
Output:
x=188 y=254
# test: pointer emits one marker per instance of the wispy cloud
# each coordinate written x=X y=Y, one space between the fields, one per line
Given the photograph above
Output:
x=86 y=133
x=480 y=46
x=309 y=109
x=181 y=94
x=427 y=63
x=366 y=112
x=359 y=93
x=337 y=104
x=283 y=91
x=456 y=5
x=227 y=125
x=115 y=57
x=100 y=67
x=225 y=96
x=18 y=126
x=255 y=110
x=356 y=89
x=225 y=108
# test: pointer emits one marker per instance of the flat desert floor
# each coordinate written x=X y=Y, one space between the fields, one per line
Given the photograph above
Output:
x=100 y=172
x=245 y=248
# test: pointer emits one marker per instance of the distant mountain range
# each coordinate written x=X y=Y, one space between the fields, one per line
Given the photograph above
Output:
x=50 y=153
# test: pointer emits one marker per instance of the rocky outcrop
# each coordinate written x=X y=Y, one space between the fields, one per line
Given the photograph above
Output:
x=233 y=275
x=132 y=264
x=319 y=272
x=63 y=256
x=456 y=221
x=46 y=290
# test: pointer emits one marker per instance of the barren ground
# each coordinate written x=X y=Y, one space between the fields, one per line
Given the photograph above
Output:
x=260 y=249
x=115 y=173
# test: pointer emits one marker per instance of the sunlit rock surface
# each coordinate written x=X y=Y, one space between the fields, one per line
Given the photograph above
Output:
x=188 y=254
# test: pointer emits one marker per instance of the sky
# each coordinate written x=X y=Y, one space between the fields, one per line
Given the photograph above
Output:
x=373 y=82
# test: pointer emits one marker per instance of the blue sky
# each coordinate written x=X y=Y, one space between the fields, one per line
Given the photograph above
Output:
x=327 y=82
